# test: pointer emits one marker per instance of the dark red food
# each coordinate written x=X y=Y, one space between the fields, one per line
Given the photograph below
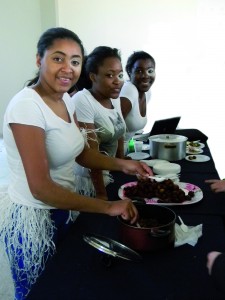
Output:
x=167 y=191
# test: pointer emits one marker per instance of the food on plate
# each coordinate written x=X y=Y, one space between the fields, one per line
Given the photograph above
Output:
x=191 y=157
x=193 y=144
x=194 y=150
x=166 y=191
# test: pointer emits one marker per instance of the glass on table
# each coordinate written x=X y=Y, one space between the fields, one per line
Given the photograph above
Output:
x=138 y=146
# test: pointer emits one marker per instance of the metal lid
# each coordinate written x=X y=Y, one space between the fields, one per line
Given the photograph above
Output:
x=165 y=138
x=111 y=247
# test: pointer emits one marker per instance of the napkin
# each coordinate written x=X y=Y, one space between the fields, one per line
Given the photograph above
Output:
x=191 y=237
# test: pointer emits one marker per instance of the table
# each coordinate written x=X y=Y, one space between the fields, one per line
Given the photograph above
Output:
x=192 y=172
x=77 y=271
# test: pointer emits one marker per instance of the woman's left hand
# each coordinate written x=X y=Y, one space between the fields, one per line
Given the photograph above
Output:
x=133 y=167
x=211 y=256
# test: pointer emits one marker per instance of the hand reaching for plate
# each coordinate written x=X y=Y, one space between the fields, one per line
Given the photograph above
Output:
x=216 y=185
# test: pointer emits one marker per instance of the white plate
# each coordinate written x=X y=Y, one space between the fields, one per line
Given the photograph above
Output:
x=186 y=187
x=141 y=137
x=200 y=145
x=188 y=151
x=152 y=162
x=199 y=158
x=138 y=155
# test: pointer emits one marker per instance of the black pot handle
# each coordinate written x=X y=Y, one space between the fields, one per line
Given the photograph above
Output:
x=159 y=233
x=170 y=146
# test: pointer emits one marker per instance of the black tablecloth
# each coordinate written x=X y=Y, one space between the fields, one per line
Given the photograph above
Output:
x=192 y=134
x=77 y=270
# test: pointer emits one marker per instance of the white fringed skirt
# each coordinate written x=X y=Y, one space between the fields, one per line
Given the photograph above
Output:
x=26 y=240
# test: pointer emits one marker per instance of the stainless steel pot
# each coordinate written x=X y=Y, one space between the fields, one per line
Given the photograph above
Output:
x=150 y=238
x=168 y=146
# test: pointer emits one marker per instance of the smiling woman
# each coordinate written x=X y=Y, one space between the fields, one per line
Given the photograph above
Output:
x=30 y=136
x=99 y=114
x=135 y=94
x=66 y=55
x=42 y=140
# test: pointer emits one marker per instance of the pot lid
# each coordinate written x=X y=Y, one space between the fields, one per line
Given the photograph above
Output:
x=168 y=138
x=111 y=247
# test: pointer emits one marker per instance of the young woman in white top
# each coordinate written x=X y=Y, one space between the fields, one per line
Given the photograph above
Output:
x=135 y=94
x=98 y=112
x=42 y=141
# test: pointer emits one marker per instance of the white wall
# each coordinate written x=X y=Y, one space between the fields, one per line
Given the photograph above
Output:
x=21 y=24
x=186 y=38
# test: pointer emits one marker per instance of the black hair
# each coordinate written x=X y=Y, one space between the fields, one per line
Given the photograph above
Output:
x=94 y=60
x=136 y=56
x=47 y=39
x=97 y=57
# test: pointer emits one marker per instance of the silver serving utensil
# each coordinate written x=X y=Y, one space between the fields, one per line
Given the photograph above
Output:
x=157 y=178
x=182 y=225
x=138 y=225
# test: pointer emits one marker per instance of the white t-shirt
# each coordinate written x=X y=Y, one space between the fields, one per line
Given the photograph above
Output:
x=63 y=143
x=110 y=127
x=134 y=120
x=109 y=122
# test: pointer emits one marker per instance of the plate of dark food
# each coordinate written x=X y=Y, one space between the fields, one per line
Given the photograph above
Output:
x=162 y=193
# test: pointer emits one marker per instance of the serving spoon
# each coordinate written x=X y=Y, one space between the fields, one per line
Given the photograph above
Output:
x=157 y=178
x=182 y=225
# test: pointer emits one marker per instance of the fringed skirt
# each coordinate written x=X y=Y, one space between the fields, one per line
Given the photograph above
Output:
x=27 y=240
x=83 y=181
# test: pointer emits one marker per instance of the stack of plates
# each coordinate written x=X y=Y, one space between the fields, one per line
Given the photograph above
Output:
x=164 y=168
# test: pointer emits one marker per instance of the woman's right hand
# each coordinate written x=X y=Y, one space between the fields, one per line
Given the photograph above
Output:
x=216 y=185
x=124 y=208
